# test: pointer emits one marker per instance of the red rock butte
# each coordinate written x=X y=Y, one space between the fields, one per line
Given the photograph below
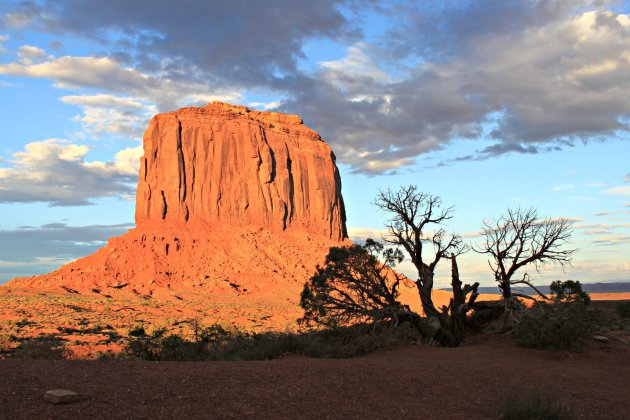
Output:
x=229 y=200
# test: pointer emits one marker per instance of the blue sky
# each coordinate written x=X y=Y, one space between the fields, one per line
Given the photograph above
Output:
x=488 y=104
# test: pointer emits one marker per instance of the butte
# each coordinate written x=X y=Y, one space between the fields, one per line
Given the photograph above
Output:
x=234 y=207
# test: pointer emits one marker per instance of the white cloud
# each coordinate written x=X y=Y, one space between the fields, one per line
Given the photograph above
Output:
x=353 y=72
x=107 y=75
x=3 y=38
x=623 y=191
x=612 y=240
x=564 y=187
x=595 y=184
x=103 y=113
x=70 y=72
x=264 y=105
x=125 y=162
x=56 y=171
x=360 y=234
x=29 y=54
x=103 y=101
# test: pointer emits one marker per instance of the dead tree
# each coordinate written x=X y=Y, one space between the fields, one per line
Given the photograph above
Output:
x=411 y=212
x=519 y=239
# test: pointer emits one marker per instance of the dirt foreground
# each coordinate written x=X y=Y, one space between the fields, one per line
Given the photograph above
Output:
x=415 y=381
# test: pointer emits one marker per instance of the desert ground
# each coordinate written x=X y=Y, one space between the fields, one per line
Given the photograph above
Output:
x=420 y=381
x=415 y=382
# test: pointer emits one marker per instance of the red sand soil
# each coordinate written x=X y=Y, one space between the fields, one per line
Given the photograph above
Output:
x=415 y=381
x=87 y=320
x=610 y=296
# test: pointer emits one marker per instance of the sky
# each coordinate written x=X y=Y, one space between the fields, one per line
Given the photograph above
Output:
x=489 y=104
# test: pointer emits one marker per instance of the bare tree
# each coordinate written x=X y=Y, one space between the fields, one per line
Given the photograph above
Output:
x=411 y=212
x=520 y=238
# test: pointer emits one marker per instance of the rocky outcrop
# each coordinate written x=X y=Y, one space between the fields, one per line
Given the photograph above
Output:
x=230 y=201
x=231 y=165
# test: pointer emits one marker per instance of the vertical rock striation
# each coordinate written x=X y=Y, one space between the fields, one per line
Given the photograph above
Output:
x=231 y=165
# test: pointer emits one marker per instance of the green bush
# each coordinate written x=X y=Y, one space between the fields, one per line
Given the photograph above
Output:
x=623 y=309
x=569 y=291
x=533 y=404
x=557 y=326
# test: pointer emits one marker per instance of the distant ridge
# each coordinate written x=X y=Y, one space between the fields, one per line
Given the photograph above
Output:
x=616 y=287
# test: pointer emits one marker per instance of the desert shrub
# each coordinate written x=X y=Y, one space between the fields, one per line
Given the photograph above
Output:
x=532 y=405
x=217 y=343
x=357 y=340
x=173 y=347
x=46 y=347
x=7 y=342
x=142 y=346
x=344 y=342
x=623 y=309
x=569 y=291
x=556 y=326
x=355 y=287
x=137 y=330
x=264 y=346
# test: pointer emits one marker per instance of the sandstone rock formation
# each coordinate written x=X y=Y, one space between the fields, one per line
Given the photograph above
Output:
x=229 y=164
x=229 y=200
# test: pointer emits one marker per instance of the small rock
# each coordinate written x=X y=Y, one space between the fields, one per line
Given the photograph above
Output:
x=601 y=338
x=61 y=396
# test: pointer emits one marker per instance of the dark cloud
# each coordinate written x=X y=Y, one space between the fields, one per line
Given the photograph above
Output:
x=527 y=76
x=246 y=42
x=544 y=85
x=443 y=29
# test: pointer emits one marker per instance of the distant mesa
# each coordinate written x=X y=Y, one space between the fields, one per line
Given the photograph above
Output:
x=229 y=200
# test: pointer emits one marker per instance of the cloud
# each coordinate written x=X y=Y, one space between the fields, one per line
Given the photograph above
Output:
x=28 y=250
x=82 y=72
x=3 y=38
x=520 y=76
x=563 y=187
x=56 y=171
x=246 y=43
x=106 y=74
x=103 y=101
x=111 y=114
x=359 y=234
x=29 y=54
x=624 y=191
x=601 y=228
x=535 y=86
x=612 y=240
x=595 y=184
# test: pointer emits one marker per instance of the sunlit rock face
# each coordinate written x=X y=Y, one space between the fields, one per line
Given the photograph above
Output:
x=227 y=164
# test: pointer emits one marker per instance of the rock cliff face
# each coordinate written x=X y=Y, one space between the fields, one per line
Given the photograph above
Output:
x=230 y=202
x=227 y=164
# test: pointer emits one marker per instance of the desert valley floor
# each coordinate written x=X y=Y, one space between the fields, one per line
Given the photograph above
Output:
x=410 y=382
